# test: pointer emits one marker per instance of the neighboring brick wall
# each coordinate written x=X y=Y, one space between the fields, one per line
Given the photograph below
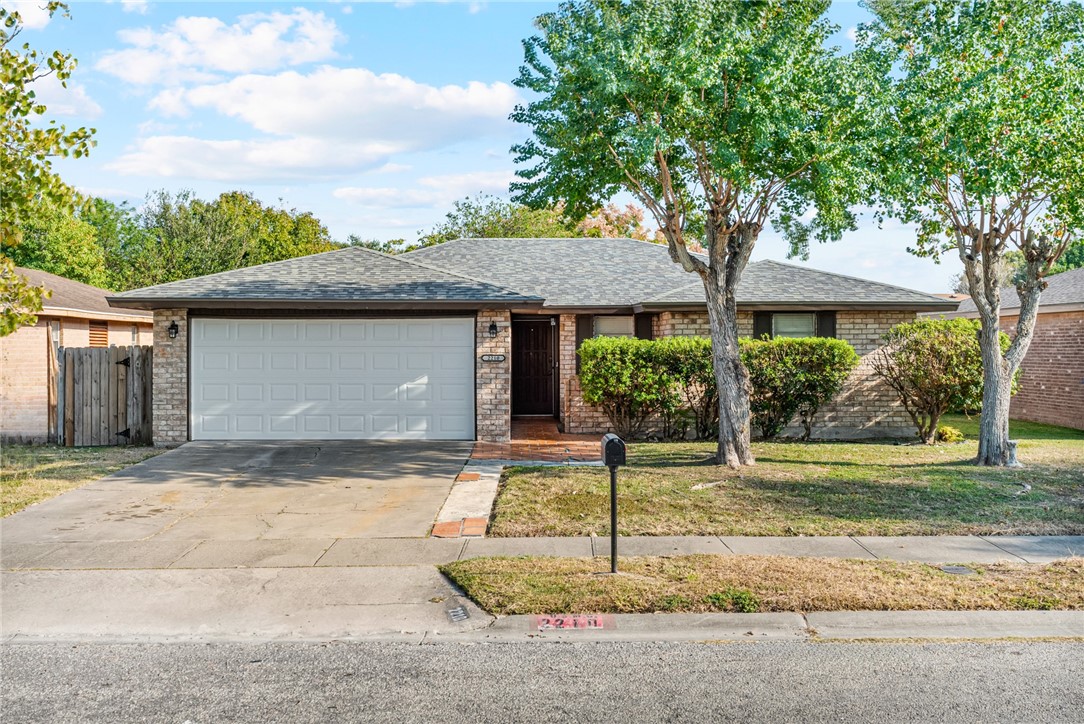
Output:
x=1052 y=374
x=24 y=375
x=120 y=334
x=493 y=383
x=866 y=407
x=74 y=332
x=170 y=417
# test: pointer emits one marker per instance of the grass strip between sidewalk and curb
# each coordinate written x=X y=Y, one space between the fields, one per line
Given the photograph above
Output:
x=750 y=584
x=32 y=473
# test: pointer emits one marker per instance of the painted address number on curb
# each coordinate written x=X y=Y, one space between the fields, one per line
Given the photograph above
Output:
x=574 y=622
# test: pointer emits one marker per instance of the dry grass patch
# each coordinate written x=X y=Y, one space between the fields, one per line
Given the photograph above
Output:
x=867 y=488
x=707 y=583
x=32 y=473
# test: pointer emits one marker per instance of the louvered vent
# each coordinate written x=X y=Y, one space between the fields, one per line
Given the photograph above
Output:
x=99 y=334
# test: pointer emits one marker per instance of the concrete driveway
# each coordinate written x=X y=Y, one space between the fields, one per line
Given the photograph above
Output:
x=239 y=504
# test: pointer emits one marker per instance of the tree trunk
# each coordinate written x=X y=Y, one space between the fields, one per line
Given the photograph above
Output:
x=995 y=448
x=730 y=375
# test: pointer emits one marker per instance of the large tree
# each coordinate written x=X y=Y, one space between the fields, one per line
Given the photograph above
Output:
x=27 y=142
x=717 y=115
x=982 y=148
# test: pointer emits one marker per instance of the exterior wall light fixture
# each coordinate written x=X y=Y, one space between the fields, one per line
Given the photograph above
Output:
x=173 y=330
x=492 y=329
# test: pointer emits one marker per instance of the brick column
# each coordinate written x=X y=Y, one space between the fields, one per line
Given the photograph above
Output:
x=493 y=380
x=170 y=419
x=566 y=362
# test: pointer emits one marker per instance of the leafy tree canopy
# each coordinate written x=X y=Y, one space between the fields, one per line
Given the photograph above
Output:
x=27 y=144
x=56 y=242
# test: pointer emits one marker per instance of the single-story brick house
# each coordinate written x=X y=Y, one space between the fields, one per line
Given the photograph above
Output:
x=1052 y=373
x=76 y=315
x=452 y=341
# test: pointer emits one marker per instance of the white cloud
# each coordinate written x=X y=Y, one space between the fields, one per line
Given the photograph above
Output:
x=429 y=191
x=34 y=13
x=351 y=103
x=852 y=33
x=202 y=49
x=255 y=160
x=61 y=101
x=328 y=123
x=135 y=6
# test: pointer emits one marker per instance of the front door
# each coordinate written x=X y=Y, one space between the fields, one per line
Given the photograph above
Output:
x=533 y=363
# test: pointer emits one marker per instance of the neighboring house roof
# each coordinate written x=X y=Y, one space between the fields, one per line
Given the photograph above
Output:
x=344 y=278
x=1064 y=292
x=579 y=272
x=70 y=298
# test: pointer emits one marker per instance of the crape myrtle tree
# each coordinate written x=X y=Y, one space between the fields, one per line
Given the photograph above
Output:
x=721 y=116
x=983 y=148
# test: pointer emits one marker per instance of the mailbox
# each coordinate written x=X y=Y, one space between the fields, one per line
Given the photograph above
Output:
x=613 y=451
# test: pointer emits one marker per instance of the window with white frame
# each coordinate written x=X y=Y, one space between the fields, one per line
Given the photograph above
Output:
x=615 y=326
x=794 y=324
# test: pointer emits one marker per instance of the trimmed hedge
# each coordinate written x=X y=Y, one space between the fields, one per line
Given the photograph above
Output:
x=633 y=380
x=794 y=377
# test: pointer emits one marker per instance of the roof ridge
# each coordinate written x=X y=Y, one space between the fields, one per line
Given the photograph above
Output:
x=239 y=269
x=847 y=276
x=449 y=273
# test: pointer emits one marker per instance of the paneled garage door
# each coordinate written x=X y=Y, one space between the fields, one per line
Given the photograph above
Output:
x=290 y=379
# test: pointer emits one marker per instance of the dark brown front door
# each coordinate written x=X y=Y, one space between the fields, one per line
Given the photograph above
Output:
x=532 y=367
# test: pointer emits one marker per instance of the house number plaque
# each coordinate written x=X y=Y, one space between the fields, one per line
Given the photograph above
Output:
x=493 y=358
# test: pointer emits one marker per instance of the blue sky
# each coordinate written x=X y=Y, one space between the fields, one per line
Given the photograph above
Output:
x=373 y=116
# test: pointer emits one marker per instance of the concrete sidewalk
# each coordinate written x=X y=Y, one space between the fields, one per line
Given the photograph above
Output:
x=368 y=552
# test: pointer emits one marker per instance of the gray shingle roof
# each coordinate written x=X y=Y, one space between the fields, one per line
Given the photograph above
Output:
x=1064 y=288
x=71 y=296
x=346 y=275
x=565 y=272
x=628 y=272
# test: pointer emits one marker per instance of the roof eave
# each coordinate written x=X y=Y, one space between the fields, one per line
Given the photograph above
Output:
x=803 y=307
x=299 y=304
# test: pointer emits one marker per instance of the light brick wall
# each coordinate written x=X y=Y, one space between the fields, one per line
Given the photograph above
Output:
x=170 y=426
x=566 y=363
x=24 y=395
x=493 y=380
x=74 y=332
x=120 y=334
x=1052 y=374
x=865 y=407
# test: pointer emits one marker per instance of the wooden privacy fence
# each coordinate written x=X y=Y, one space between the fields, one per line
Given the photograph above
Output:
x=103 y=396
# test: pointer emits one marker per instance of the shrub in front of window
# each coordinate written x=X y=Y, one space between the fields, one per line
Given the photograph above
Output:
x=688 y=361
x=792 y=377
x=934 y=366
x=624 y=377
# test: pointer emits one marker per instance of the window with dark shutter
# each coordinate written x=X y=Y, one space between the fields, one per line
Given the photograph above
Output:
x=762 y=325
x=99 y=334
x=644 y=326
x=826 y=324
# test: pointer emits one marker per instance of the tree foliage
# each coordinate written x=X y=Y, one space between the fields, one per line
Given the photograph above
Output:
x=489 y=217
x=982 y=135
x=934 y=366
x=718 y=116
x=27 y=144
x=20 y=301
x=56 y=242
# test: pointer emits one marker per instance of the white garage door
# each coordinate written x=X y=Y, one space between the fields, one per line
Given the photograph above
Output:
x=290 y=379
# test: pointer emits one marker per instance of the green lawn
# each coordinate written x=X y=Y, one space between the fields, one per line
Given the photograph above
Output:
x=32 y=473
x=829 y=488
x=750 y=584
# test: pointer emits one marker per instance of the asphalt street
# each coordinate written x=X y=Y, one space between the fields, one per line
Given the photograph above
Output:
x=597 y=682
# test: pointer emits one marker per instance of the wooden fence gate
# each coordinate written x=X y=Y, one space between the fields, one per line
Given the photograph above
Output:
x=103 y=396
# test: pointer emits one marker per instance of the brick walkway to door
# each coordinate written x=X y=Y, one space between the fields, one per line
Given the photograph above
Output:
x=539 y=439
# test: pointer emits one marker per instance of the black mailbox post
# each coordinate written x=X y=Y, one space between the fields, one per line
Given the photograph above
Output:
x=613 y=455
